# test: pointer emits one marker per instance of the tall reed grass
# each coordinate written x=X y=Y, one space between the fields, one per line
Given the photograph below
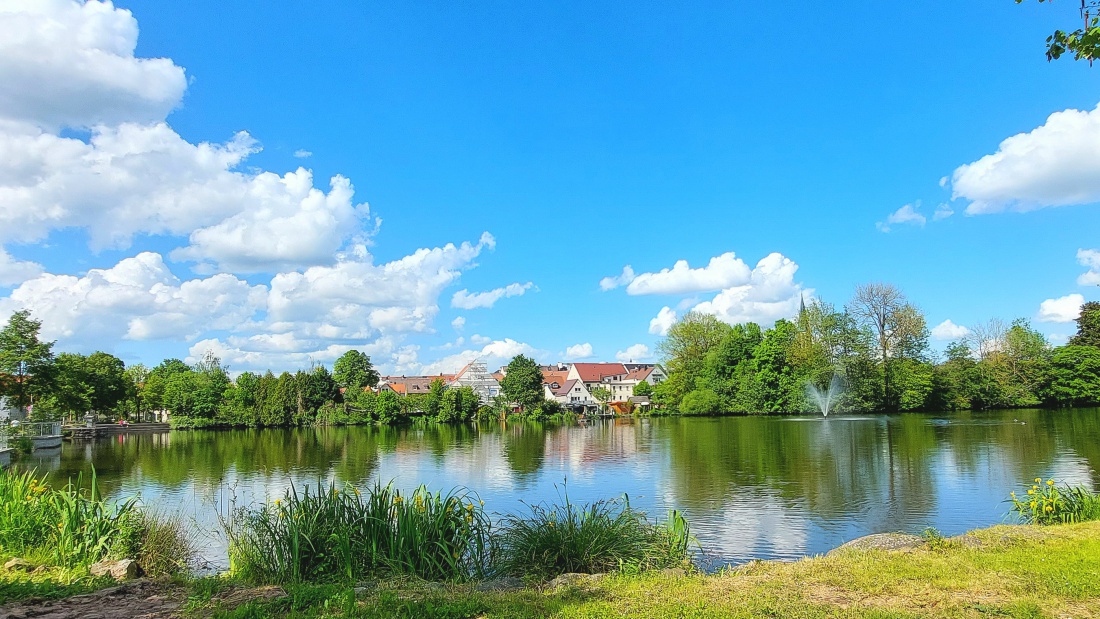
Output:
x=1046 y=503
x=328 y=532
x=75 y=525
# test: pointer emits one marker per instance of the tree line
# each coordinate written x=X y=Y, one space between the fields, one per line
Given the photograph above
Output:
x=876 y=348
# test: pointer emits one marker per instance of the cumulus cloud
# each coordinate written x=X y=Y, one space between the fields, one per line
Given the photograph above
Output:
x=13 y=271
x=721 y=272
x=611 y=283
x=137 y=299
x=663 y=321
x=494 y=354
x=948 y=330
x=1055 y=164
x=578 y=351
x=943 y=211
x=1062 y=309
x=458 y=323
x=637 y=352
x=464 y=299
x=301 y=153
x=1089 y=258
x=65 y=63
x=770 y=293
x=906 y=215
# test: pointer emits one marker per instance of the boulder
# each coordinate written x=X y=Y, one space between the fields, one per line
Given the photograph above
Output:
x=882 y=541
x=123 y=569
x=575 y=580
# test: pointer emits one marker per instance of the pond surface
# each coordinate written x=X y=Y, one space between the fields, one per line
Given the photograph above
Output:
x=751 y=487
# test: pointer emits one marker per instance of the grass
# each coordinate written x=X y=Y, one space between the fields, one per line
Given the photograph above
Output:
x=1019 y=571
x=592 y=538
x=75 y=526
x=1046 y=503
x=331 y=533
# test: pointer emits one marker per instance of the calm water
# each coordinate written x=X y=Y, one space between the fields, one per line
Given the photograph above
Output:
x=752 y=487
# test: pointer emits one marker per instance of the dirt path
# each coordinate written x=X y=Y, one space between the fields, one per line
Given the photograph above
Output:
x=139 y=599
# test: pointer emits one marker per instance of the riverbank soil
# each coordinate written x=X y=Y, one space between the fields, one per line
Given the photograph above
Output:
x=1004 y=571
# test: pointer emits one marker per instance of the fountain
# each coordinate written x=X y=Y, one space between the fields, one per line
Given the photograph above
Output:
x=824 y=397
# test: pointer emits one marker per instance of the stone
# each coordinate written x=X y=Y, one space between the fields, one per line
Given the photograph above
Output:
x=967 y=541
x=17 y=565
x=508 y=583
x=123 y=569
x=881 y=541
x=575 y=580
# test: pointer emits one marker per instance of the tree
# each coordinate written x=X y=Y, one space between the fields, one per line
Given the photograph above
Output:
x=1088 y=326
x=435 y=398
x=643 y=389
x=136 y=377
x=26 y=363
x=522 y=384
x=1084 y=42
x=685 y=350
x=899 y=328
x=602 y=395
x=353 y=371
x=106 y=374
x=1074 y=376
x=701 y=402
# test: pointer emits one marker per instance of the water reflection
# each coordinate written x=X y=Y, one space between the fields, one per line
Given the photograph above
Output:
x=752 y=487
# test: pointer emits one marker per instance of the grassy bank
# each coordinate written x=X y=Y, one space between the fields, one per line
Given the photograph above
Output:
x=1017 y=571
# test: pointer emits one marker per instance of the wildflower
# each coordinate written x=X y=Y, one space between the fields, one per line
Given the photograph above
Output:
x=1032 y=491
x=397 y=500
x=1034 y=504
x=1012 y=494
x=1050 y=482
x=1038 y=480
x=1048 y=508
x=470 y=507
x=482 y=503
x=278 y=502
x=60 y=526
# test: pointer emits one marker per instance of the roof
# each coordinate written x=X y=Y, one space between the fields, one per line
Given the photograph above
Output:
x=596 y=372
x=554 y=376
x=565 y=388
x=639 y=374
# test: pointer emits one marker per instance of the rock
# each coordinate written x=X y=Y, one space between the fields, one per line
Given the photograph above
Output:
x=575 y=580
x=123 y=569
x=41 y=569
x=507 y=583
x=240 y=597
x=17 y=565
x=881 y=541
x=966 y=541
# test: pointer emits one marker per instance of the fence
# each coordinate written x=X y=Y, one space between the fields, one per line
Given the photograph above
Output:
x=36 y=429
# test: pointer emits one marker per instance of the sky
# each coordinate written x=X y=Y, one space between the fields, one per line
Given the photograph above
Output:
x=436 y=182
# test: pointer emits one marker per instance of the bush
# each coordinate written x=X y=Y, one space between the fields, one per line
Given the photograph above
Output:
x=335 y=533
x=701 y=402
x=591 y=538
x=1045 y=503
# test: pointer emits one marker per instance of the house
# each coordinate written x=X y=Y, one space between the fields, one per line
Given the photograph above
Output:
x=596 y=375
x=622 y=388
x=570 y=393
x=476 y=376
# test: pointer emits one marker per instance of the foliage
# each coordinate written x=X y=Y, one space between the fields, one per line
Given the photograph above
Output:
x=332 y=533
x=592 y=538
x=353 y=371
x=1074 y=377
x=1045 y=503
x=1084 y=42
x=522 y=384
x=701 y=402
x=26 y=363
x=643 y=389
x=1088 y=326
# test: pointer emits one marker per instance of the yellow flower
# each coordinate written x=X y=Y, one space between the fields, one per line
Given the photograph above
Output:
x=397 y=499
x=1038 y=479
x=470 y=507
x=60 y=526
x=1032 y=491
x=1034 y=505
x=1048 y=508
x=1050 y=482
x=357 y=492
x=482 y=503
x=1012 y=494
x=278 y=502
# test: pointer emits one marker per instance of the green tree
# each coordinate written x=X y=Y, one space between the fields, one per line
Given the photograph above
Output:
x=602 y=395
x=701 y=402
x=26 y=363
x=643 y=389
x=106 y=374
x=1088 y=326
x=137 y=376
x=685 y=349
x=522 y=384
x=353 y=371
x=388 y=409
x=1074 y=378
x=899 y=329
x=435 y=398
x=1084 y=42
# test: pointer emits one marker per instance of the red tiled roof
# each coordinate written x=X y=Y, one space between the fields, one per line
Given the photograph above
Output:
x=554 y=376
x=596 y=372
x=639 y=374
x=565 y=388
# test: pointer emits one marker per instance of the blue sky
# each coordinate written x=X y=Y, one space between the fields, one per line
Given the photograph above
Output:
x=581 y=138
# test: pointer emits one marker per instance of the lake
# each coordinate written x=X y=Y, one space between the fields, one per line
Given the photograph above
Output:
x=751 y=487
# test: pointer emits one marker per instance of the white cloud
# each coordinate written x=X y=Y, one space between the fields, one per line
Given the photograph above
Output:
x=1089 y=258
x=637 y=352
x=721 y=272
x=65 y=63
x=943 y=211
x=14 y=271
x=948 y=330
x=769 y=294
x=578 y=351
x=610 y=283
x=463 y=299
x=663 y=321
x=458 y=323
x=137 y=299
x=908 y=214
x=301 y=153
x=495 y=354
x=1062 y=309
x=479 y=340
x=1055 y=164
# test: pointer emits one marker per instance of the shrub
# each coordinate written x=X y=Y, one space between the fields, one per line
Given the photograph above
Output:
x=701 y=402
x=1045 y=503
x=590 y=538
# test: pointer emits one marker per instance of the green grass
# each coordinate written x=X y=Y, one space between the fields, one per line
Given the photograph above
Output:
x=1019 y=571
x=591 y=538
x=1046 y=503
x=331 y=533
